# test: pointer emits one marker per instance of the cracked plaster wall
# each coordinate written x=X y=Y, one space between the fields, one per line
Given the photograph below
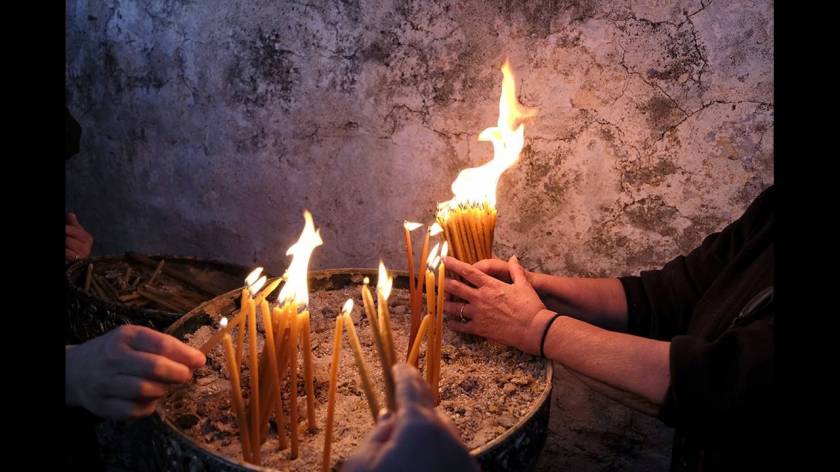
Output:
x=209 y=126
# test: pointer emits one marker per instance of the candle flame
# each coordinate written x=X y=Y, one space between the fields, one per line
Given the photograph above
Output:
x=366 y=281
x=410 y=225
x=435 y=229
x=296 y=287
x=223 y=322
x=385 y=282
x=256 y=286
x=253 y=276
x=432 y=254
x=348 y=307
x=477 y=185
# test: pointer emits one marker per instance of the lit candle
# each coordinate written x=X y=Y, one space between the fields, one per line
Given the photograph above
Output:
x=444 y=250
x=293 y=375
x=336 y=357
x=243 y=307
x=408 y=227
x=240 y=337
x=270 y=352
x=430 y=311
x=254 y=402
x=236 y=392
x=415 y=347
x=306 y=347
x=433 y=230
x=367 y=298
x=282 y=355
x=373 y=404
x=383 y=291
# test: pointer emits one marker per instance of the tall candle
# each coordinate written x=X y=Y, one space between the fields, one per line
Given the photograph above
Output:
x=270 y=352
x=439 y=324
x=361 y=365
x=415 y=348
x=412 y=283
x=367 y=298
x=383 y=290
x=240 y=338
x=430 y=311
x=293 y=375
x=236 y=393
x=306 y=347
x=254 y=402
x=282 y=356
x=336 y=357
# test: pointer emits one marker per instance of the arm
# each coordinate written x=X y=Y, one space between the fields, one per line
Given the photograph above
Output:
x=657 y=303
x=513 y=314
x=688 y=382
x=630 y=369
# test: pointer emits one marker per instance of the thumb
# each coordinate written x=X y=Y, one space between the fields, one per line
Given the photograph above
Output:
x=71 y=219
x=517 y=273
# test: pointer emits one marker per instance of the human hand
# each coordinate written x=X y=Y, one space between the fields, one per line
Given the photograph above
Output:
x=123 y=373
x=414 y=438
x=77 y=242
x=509 y=313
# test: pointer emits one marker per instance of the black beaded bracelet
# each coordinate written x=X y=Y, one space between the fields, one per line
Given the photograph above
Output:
x=545 y=333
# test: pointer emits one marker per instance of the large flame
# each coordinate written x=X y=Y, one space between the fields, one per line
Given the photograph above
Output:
x=477 y=185
x=296 y=286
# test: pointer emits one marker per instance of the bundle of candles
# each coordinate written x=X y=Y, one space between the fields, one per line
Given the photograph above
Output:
x=469 y=218
x=286 y=328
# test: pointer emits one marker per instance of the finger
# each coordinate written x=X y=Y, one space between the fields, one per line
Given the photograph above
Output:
x=76 y=232
x=74 y=245
x=459 y=289
x=122 y=409
x=470 y=273
x=154 y=367
x=71 y=219
x=467 y=327
x=383 y=431
x=70 y=255
x=365 y=456
x=453 y=310
x=517 y=272
x=494 y=267
x=412 y=392
x=138 y=389
x=151 y=341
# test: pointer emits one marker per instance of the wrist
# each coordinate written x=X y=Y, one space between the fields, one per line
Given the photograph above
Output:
x=533 y=340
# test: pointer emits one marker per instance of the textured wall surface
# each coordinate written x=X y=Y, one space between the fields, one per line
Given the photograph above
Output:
x=209 y=126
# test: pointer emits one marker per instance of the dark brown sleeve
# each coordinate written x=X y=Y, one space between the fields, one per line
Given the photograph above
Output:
x=660 y=302
x=725 y=384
